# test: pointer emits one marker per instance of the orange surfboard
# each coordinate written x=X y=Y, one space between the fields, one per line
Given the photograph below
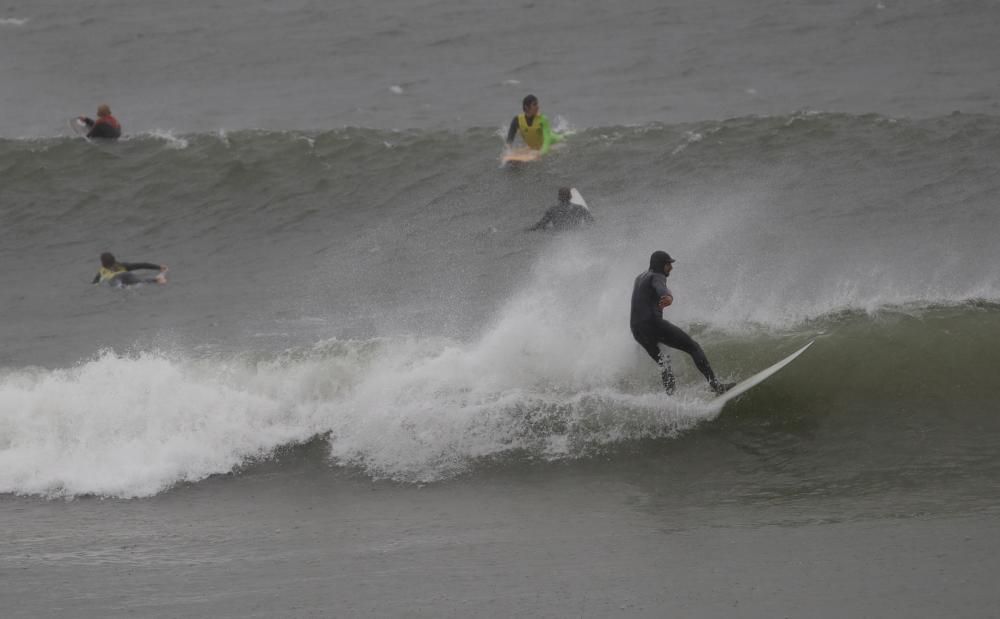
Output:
x=520 y=155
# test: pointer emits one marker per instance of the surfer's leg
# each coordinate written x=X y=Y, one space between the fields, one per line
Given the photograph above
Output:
x=649 y=343
x=674 y=337
x=667 y=373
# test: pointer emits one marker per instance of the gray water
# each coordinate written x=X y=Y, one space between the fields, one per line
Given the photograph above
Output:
x=198 y=67
x=367 y=391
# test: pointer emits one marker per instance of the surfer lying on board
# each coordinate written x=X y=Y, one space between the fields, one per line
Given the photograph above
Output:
x=533 y=127
x=649 y=297
x=564 y=215
x=119 y=274
x=106 y=126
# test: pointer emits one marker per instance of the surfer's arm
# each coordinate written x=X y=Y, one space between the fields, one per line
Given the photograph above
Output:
x=549 y=137
x=659 y=283
x=512 y=132
x=97 y=279
x=135 y=266
x=87 y=121
x=544 y=221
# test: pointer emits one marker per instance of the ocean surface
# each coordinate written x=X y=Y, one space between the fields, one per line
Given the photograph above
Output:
x=367 y=390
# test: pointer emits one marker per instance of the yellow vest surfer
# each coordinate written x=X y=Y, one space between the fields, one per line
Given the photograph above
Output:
x=119 y=274
x=533 y=127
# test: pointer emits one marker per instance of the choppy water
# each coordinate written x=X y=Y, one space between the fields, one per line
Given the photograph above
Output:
x=365 y=373
x=376 y=290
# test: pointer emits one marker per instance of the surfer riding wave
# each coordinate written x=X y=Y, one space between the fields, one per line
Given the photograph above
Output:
x=650 y=296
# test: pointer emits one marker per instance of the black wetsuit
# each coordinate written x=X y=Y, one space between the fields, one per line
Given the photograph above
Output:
x=105 y=130
x=650 y=329
x=125 y=278
x=564 y=215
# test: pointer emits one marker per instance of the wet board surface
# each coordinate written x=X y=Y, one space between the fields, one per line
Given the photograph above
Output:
x=520 y=155
x=745 y=385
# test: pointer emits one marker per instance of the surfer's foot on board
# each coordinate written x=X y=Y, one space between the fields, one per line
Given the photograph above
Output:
x=720 y=388
x=160 y=279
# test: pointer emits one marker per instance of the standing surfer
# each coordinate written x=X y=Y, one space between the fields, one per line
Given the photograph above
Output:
x=650 y=296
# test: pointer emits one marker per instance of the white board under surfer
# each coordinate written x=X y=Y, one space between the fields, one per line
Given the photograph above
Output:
x=745 y=385
x=79 y=127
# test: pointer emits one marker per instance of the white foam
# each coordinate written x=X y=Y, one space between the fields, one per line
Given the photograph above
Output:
x=554 y=374
x=131 y=426
x=545 y=379
x=690 y=137
x=167 y=135
x=562 y=125
x=13 y=21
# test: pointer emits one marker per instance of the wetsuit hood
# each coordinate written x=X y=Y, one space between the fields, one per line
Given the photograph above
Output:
x=658 y=259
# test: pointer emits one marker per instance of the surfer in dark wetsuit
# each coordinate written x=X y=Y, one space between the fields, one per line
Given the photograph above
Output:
x=565 y=214
x=649 y=297
x=106 y=126
x=119 y=274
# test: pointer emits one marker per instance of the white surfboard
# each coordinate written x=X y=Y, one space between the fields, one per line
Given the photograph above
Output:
x=79 y=127
x=745 y=385
x=576 y=198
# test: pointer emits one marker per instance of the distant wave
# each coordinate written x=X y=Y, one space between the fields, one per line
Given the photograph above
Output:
x=804 y=123
x=793 y=216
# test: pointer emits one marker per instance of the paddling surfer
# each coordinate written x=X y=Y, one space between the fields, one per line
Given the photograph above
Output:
x=106 y=126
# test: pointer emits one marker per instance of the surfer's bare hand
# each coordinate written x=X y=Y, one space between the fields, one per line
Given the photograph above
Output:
x=665 y=301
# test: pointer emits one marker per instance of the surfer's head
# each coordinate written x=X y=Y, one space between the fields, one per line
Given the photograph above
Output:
x=108 y=260
x=564 y=194
x=103 y=110
x=661 y=262
x=530 y=105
